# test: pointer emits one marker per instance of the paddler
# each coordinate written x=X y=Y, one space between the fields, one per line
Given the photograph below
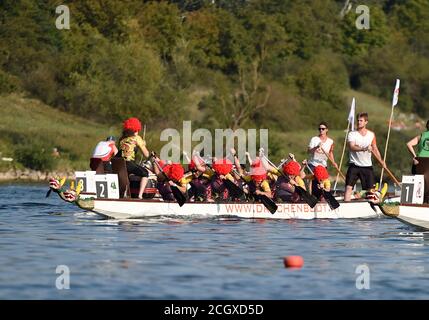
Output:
x=256 y=179
x=222 y=169
x=320 y=178
x=129 y=143
x=285 y=185
x=199 y=175
x=169 y=175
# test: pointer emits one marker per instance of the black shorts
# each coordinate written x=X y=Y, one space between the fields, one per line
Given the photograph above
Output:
x=364 y=174
x=136 y=169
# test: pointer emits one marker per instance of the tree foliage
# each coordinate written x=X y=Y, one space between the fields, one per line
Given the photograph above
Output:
x=257 y=62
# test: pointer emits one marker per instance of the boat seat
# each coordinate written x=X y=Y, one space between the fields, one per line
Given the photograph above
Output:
x=120 y=168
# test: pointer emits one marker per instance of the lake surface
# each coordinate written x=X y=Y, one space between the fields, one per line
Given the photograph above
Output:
x=200 y=258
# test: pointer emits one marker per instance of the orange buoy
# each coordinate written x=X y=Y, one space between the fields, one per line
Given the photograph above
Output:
x=293 y=262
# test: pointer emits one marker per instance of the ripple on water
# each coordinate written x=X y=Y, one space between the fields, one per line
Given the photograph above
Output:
x=200 y=258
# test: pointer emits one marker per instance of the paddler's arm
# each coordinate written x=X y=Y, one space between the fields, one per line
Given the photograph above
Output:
x=181 y=185
x=155 y=167
x=267 y=166
x=142 y=146
x=199 y=164
x=326 y=184
x=411 y=144
x=227 y=176
x=266 y=190
x=275 y=171
x=248 y=158
x=354 y=147
x=115 y=149
x=237 y=164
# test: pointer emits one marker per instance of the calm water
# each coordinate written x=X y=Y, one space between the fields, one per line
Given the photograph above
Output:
x=200 y=258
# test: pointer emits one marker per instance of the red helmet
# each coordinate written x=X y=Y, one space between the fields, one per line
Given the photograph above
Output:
x=222 y=166
x=258 y=177
x=257 y=170
x=132 y=124
x=292 y=168
x=321 y=173
x=174 y=171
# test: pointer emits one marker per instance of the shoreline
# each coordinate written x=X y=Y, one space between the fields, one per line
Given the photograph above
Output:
x=28 y=175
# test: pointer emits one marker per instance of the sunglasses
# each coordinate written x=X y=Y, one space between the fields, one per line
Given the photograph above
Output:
x=321 y=129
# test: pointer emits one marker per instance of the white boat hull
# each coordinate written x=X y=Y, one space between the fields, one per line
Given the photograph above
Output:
x=130 y=208
x=410 y=214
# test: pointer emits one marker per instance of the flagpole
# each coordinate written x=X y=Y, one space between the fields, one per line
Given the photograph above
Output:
x=342 y=156
x=394 y=102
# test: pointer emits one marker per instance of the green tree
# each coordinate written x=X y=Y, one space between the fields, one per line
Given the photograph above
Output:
x=161 y=24
x=358 y=42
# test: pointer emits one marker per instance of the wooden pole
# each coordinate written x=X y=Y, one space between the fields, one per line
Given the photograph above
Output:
x=394 y=102
x=387 y=170
x=387 y=143
x=342 y=156
x=332 y=161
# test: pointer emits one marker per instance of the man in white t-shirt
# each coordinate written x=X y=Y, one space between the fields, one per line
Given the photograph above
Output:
x=362 y=143
x=319 y=148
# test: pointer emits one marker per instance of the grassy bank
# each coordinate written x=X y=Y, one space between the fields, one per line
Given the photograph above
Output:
x=29 y=124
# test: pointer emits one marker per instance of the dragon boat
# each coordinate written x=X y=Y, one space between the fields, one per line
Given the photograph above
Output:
x=131 y=208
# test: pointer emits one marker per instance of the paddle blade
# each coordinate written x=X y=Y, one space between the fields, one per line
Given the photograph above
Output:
x=233 y=188
x=330 y=199
x=268 y=203
x=308 y=198
x=180 y=198
x=48 y=193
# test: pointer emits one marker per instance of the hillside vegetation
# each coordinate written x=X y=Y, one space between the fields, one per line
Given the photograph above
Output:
x=279 y=64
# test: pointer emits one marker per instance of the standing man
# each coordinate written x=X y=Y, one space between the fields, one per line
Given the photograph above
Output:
x=361 y=144
x=320 y=148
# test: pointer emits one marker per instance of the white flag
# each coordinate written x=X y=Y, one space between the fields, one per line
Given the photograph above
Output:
x=396 y=93
x=351 y=118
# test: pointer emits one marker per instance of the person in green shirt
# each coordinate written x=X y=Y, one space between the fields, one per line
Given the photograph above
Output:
x=422 y=143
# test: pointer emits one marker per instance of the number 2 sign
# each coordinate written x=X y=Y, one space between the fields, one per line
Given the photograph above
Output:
x=106 y=186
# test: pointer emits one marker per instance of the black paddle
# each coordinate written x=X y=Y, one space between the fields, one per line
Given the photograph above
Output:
x=267 y=202
x=304 y=194
x=330 y=199
x=233 y=188
x=178 y=195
